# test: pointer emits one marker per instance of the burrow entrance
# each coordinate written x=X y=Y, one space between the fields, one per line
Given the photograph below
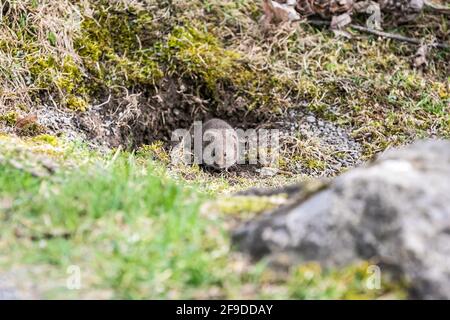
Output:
x=134 y=120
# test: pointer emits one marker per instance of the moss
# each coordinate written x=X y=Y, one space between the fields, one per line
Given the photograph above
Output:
x=315 y=164
x=311 y=281
x=111 y=47
x=200 y=55
x=70 y=78
x=9 y=118
x=76 y=103
x=45 y=139
x=64 y=77
x=246 y=205
x=154 y=151
x=195 y=52
x=115 y=46
x=125 y=47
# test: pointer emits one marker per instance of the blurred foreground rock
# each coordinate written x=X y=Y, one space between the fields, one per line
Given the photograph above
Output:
x=395 y=211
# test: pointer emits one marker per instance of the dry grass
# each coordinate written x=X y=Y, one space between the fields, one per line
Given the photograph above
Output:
x=33 y=31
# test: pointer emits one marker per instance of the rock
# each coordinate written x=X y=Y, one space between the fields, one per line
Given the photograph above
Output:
x=17 y=285
x=395 y=211
x=267 y=171
x=311 y=119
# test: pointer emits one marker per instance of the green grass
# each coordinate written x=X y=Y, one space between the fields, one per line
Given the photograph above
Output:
x=133 y=232
x=141 y=234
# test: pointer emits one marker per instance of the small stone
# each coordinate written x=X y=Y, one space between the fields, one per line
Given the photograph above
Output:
x=268 y=171
x=311 y=119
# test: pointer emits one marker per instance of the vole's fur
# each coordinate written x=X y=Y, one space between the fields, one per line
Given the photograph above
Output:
x=221 y=142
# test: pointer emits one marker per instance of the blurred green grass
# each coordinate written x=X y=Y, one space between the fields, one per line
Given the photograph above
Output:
x=139 y=232
x=136 y=234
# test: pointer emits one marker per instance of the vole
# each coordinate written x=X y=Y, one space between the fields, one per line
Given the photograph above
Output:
x=220 y=144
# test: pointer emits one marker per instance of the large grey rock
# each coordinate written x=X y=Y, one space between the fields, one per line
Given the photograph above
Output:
x=395 y=210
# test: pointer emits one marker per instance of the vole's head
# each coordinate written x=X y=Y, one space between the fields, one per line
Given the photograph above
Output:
x=220 y=149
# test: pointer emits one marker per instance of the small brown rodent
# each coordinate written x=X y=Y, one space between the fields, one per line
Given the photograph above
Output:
x=220 y=147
